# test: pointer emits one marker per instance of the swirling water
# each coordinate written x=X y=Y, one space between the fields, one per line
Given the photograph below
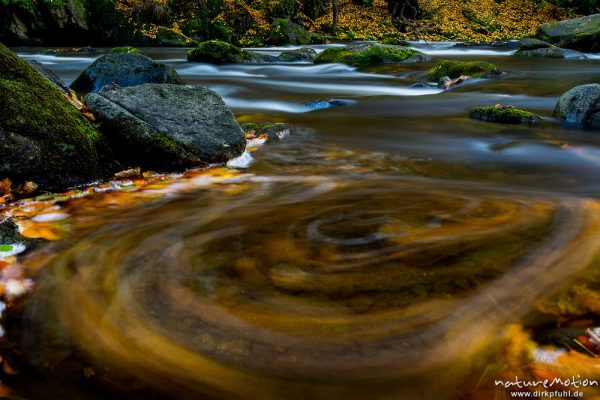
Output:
x=374 y=253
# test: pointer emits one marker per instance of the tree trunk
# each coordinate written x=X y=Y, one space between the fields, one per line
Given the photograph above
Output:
x=335 y=16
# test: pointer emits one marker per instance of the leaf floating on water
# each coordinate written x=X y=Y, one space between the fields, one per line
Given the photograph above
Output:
x=41 y=230
x=5 y=248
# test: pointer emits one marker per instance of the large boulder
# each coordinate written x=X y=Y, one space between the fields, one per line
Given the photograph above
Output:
x=364 y=55
x=581 y=34
x=531 y=47
x=167 y=126
x=284 y=31
x=124 y=69
x=456 y=69
x=580 y=106
x=43 y=138
x=50 y=76
x=218 y=52
x=303 y=54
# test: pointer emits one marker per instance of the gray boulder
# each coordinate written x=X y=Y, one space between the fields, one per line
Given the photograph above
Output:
x=124 y=69
x=303 y=54
x=580 y=105
x=165 y=126
x=50 y=76
x=581 y=34
x=531 y=47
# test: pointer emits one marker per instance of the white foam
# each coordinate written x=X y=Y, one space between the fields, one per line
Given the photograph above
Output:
x=243 y=161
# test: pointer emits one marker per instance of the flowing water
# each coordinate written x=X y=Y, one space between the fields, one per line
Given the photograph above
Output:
x=374 y=253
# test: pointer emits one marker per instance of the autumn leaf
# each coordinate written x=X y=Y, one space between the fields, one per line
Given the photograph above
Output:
x=129 y=173
x=5 y=185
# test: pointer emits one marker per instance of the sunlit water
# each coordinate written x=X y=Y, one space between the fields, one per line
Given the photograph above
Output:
x=374 y=253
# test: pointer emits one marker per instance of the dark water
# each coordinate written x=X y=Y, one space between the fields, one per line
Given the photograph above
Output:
x=374 y=253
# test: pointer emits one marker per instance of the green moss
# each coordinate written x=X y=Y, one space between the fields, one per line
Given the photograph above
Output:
x=395 y=42
x=62 y=144
x=503 y=114
x=363 y=56
x=454 y=69
x=218 y=52
x=126 y=49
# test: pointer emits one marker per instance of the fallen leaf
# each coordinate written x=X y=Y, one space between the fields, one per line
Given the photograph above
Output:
x=129 y=173
x=5 y=185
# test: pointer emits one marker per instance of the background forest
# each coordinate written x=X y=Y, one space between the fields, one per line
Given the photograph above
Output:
x=263 y=22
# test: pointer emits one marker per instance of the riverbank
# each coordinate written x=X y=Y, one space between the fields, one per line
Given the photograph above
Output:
x=179 y=23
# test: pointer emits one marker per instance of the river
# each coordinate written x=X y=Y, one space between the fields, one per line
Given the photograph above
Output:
x=376 y=252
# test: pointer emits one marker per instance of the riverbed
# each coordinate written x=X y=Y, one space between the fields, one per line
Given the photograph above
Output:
x=377 y=251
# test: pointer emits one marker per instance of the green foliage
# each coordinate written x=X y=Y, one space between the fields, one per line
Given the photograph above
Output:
x=285 y=31
x=454 y=69
x=581 y=6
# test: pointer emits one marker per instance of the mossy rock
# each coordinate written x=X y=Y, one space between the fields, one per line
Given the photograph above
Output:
x=43 y=138
x=395 y=42
x=455 y=69
x=368 y=55
x=533 y=44
x=284 y=31
x=503 y=115
x=124 y=69
x=218 y=52
x=126 y=49
x=303 y=54
x=582 y=34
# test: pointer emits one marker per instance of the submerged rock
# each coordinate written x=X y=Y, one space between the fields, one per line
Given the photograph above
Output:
x=43 y=138
x=530 y=47
x=167 y=126
x=284 y=31
x=456 y=69
x=364 y=55
x=503 y=114
x=124 y=69
x=303 y=54
x=582 y=34
x=580 y=105
x=329 y=103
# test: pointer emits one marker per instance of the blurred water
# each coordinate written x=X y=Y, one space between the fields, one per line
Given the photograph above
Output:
x=374 y=253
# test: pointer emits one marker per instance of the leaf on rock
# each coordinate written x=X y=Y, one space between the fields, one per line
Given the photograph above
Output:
x=5 y=248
